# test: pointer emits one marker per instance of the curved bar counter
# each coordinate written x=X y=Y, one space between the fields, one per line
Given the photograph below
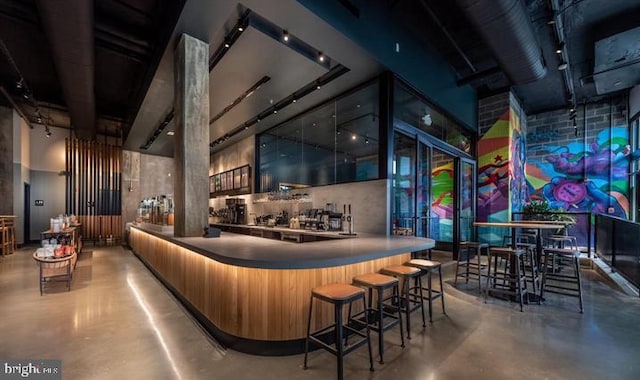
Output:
x=253 y=293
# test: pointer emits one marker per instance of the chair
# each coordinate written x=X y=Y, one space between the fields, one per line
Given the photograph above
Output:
x=508 y=280
x=380 y=283
x=428 y=268
x=555 y=277
x=468 y=251
x=408 y=302
x=338 y=295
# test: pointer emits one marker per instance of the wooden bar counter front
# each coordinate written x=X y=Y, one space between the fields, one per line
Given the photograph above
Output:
x=252 y=293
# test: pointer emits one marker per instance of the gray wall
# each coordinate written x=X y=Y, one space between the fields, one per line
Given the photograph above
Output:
x=6 y=160
x=50 y=187
x=143 y=176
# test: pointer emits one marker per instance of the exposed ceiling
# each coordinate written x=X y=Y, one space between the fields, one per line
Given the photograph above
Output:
x=133 y=44
x=259 y=51
x=127 y=40
x=580 y=23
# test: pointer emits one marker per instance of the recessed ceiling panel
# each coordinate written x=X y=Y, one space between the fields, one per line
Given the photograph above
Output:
x=252 y=56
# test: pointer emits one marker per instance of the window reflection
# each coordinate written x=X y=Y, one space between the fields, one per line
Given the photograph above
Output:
x=418 y=113
x=336 y=142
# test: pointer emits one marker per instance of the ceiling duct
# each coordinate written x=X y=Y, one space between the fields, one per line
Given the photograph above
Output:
x=69 y=28
x=617 y=61
x=506 y=28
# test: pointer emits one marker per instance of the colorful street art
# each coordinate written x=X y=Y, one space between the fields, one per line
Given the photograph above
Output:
x=575 y=177
x=442 y=202
x=493 y=172
x=502 y=185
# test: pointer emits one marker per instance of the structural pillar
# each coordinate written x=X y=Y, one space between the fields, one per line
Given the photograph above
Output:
x=6 y=160
x=191 y=154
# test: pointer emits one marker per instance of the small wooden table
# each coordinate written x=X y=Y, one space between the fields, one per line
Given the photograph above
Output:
x=55 y=269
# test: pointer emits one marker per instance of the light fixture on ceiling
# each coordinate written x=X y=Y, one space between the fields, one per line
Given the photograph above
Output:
x=551 y=21
x=426 y=119
x=353 y=137
x=294 y=100
x=240 y=28
x=366 y=141
x=171 y=133
x=47 y=132
x=19 y=84
x=562 y=66
x=338 y=132
x=320 y=56
x=559 y=48
x=318 y=86
x=226 y=43
x=275 y=111
x=285 y=36
x=246 y=127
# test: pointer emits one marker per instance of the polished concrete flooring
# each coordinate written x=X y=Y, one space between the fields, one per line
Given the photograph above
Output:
x=119 y=322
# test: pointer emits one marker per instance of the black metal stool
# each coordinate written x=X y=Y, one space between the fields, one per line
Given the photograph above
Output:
x=408 y=301
x=380 y=283
x=553 y=278
x=531 y=269
x=507 y=280
x=427 y=268
x=338 y=295
x=469 y=250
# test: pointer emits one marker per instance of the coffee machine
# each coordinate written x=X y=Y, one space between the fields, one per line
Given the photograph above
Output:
x=237 y=210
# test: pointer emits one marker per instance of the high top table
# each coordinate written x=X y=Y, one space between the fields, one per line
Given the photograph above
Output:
x=538 y=225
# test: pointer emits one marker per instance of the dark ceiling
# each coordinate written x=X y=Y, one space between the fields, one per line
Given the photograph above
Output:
x=132 y=44
x=578 y=23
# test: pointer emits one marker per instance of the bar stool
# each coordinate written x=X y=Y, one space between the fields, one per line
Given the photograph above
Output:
x=530 y=264
x=408 y=302
x=380 y=283
x=469 y=249
x=559 y=241
x=508 y=280
x=558 y=278
x=338 y=295
x=427 y=268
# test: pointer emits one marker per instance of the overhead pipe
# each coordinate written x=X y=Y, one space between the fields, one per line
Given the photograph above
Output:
x=506 y=28
x=69 y=26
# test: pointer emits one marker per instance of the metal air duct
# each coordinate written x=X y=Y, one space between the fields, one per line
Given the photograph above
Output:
x=69 y=26
x=506 y=28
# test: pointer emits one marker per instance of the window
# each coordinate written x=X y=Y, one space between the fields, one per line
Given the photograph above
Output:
x=334 y=143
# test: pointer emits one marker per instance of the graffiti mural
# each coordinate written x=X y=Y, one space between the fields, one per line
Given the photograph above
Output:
x=493 y=172
x=442 y=202
x=575 y=177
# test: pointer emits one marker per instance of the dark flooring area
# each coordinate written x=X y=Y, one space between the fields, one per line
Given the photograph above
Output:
x=119 y=322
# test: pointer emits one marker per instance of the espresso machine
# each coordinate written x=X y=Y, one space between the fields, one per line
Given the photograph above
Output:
x=237 y=211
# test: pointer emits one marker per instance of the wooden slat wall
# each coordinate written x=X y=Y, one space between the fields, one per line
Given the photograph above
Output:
x=252 y=303
x=93 y=187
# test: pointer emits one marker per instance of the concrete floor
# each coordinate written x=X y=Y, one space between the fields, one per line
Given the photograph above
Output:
x=118 y=322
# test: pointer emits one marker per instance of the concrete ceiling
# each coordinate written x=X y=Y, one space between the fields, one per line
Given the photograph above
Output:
x=252 y=56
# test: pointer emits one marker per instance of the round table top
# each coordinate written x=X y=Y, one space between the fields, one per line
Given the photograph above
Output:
x=52 y=259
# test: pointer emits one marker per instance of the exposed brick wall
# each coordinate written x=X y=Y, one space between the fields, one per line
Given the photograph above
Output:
x=490 y=109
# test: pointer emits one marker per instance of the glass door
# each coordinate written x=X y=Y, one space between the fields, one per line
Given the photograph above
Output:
x=466 y=201
x=404 y=185
x=442 y=196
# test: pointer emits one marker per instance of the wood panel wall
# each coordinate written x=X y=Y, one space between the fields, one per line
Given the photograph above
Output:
x=93 y=187
x=251 y=303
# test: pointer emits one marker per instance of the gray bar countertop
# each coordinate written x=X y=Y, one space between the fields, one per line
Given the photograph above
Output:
x=257 y=252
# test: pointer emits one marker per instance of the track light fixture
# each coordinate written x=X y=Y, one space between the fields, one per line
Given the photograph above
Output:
x=285 y=36
x=320 y=56
x=226 y=43
x=560 y=48
x=562 y=66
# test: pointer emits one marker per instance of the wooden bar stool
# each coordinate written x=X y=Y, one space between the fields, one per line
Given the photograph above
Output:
x=428 y=268
x=380 y=283
x=554 y=278
x=508 y=280
x=469 y=250
x=338 y=295
x=408 y=302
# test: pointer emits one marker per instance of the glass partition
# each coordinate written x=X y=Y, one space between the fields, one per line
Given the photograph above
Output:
x=414 y=111
x=333 y=143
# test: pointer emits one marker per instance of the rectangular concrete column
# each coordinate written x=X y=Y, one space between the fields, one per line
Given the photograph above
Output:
x=6 y=160
x=191 y=157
